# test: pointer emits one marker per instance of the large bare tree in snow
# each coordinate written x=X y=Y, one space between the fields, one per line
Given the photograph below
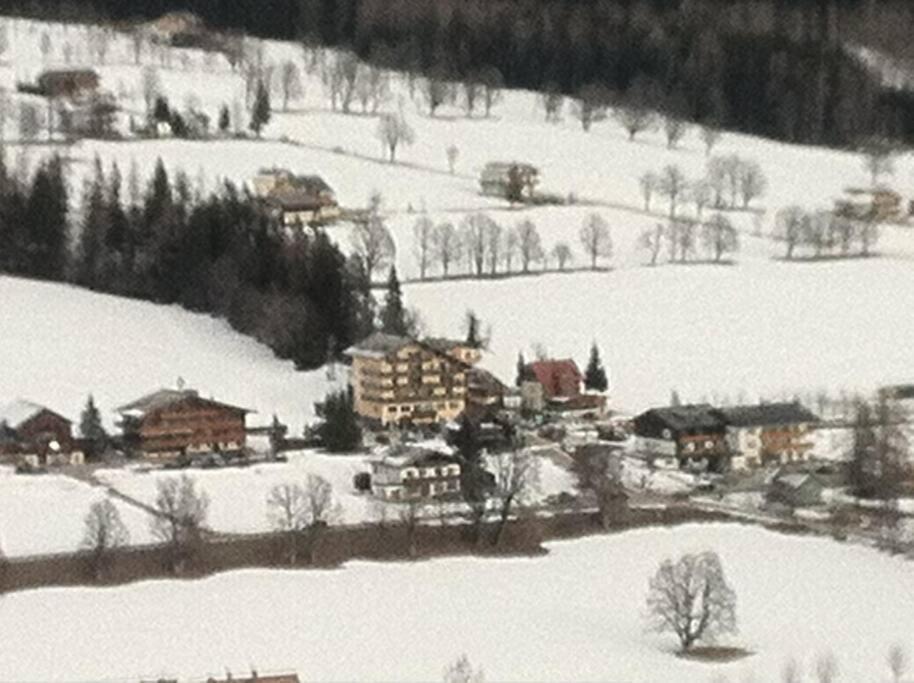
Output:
x=372 y=240
x=290 y=82
x=393 y=131
x=719 y=237
x=529 y=244
x=692 y=599
x=446 y=246
x=104 y=532
x=423 y=229
x=672 y=184
x=595 y=238
x=180 y=518
x=517 y=476
x=301 y=512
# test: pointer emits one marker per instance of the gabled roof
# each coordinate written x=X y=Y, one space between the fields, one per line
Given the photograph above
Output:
x=17 y=412
x=415 y=456
x=378 y=345
x=164 y=398
x=767 y=414
x=442 y=344
x=550 y=372
x=680 y=418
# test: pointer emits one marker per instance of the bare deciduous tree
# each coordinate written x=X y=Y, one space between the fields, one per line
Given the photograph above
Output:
x=151 y=86
x=674 y=129
x=700 y=193
x=789 y=227
x=637 y=113
x=462 y=671
x=648 y=183
x=595 y=238
x=878 y=158
x=446 y=245
x=710 y=136
x=475 y=231
x=301 y=512
x=672 y=184
x=589 y=106
x=435 y=91
x=410 y=517
x=180 y=518
x=452 y=154
x=652 y=240
x=372 y=240
x=516 y=480
x=472 y=91
x=492 y=84
x=552 y=101
x=290 y=83
x=423 y=230
x=104 y=531
x=561 y=252
x=393 y=130
x=692 y=599
x=897 y=659
x=529 y=244
x=719 y=237
x=752 y=181
x=372 y=87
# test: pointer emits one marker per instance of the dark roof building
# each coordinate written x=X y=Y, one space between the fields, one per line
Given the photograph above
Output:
x=766 y=415
x=668 y=423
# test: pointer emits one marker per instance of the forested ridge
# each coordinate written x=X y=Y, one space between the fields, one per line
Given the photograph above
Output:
x=779 y=68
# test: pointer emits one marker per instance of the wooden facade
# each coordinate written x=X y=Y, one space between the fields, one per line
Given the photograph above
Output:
x=36 y=435
x=170 y=424
x=398 y=381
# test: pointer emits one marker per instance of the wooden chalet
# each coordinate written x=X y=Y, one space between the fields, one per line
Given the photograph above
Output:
x=172 y=423
x=36 y=435
x=690 y=435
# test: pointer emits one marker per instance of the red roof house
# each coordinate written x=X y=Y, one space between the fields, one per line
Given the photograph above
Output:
x=560 y=379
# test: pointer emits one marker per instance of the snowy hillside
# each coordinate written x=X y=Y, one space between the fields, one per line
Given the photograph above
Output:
x=575 y=614
x=61 y=343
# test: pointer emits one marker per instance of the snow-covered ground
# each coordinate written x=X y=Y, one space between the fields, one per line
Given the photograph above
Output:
x=575 y=614
x=59 y=344
x=46 y=514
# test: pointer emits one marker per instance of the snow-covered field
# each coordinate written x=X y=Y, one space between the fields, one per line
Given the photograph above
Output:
x=61 y=343
x=45 y=514
x=575 y=614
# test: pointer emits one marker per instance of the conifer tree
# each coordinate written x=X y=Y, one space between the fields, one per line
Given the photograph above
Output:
x=225 y=119
x=474 y=338
x=340 y=431
x=92 y=430
x=521 y=369
x=46 y=221
x=595 y=375
x=393 y=315
x=260 y=115
x=91 y=246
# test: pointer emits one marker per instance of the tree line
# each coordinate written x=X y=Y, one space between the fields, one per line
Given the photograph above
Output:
x=780 y=69
x=168 y=242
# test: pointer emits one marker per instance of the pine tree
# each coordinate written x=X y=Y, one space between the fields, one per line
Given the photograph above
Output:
x=91 y=246
x=595 y=375
x=340 y=431
x=90 y=426
x=473 y=337
x=45 y=221
x=393 y=315
x=260 y=115
x=521 y=369
x=225 y=120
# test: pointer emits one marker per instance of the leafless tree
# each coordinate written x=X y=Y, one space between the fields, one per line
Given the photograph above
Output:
x=719 y=236
x=510 y=249
x=648 y=182
x=290 y=82
x=393 y=130
x=180 y=518
x=815 y=232
x=652 y=241
x=452 y=154
x=104 y=531
x=301 y=512
x=552 y=101
x=752 y=181
x=692 y=599
x=29 y=121
x=681 y=234
x=340 y=79
x=138 y=44
x=595 y=238
x=701 y=194
x=601 y=477
x=435 y=91
x=151 y=86
x=589 y=106
x=462 y=671
x=496 y=238
x=372 y=87
x=672 y=184
x=446 y=245
x=897 y=660
x=423 y=230
x=475 y=231
x=472 y=93
x=45 y=46
x=373 y=242
x=410 y=517
x=637 y=113
x=674 y=129
x=789 y=227
x=878 y=158
x=529 y=244
x=710 y=136
x=826 y=668
x=790 y=672
x=516 y=480
x=561 y=252
x=99 y=42
x=492 y=84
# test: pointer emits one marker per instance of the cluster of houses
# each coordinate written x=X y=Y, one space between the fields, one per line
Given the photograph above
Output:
x=296 y=200
x=162 y=426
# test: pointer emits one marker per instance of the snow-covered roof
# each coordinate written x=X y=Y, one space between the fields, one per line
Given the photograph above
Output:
x=19 y=411
x=163 y=398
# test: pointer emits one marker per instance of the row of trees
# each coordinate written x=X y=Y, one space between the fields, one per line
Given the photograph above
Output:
x=485 y=248
x=168 y=242
x=824 y=233
x=684 y=239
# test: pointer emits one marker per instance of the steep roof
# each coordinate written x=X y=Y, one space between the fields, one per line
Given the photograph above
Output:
x=164 y=398
x=767 y=414
x=379 y=344
x=442 y=344
x=555 y=375
x=20 y=411
x=680 y=418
